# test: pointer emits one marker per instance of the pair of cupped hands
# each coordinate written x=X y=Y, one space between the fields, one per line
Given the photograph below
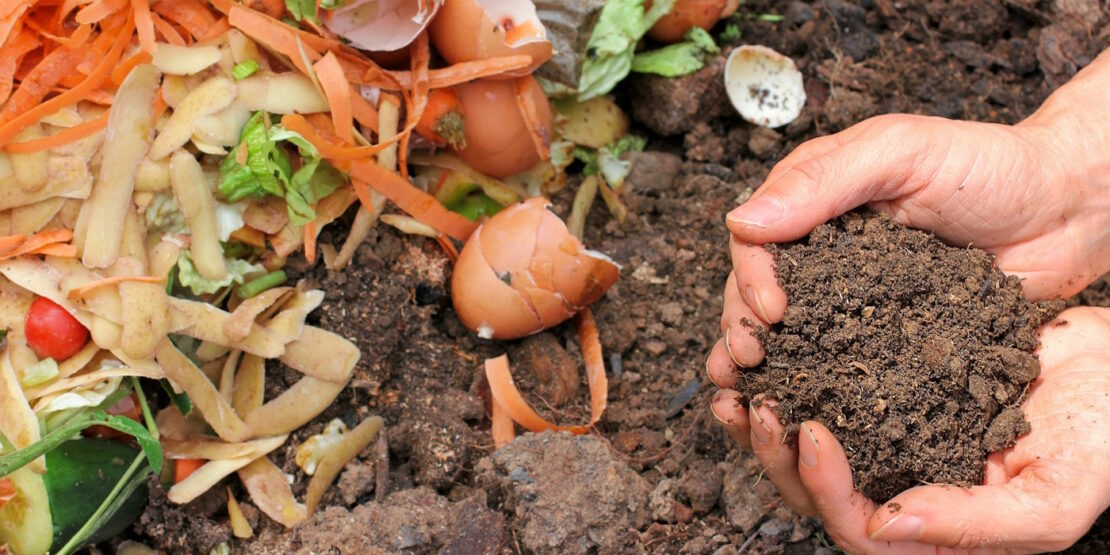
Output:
x=1036 y=195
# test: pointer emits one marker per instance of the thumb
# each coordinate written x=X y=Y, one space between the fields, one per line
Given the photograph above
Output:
x=1023 y=514
x=820 y=183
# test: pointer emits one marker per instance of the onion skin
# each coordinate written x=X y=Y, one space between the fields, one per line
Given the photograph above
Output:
x=498 y=142
x=463 y=32
x=688 y=13
x=522 y=272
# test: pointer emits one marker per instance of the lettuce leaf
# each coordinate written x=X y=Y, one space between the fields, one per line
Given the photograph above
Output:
x=237 y=270
x=266 y=169
x=677 y=59
x=612 y=46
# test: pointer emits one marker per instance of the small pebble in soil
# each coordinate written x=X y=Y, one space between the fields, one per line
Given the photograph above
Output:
x=915 y=354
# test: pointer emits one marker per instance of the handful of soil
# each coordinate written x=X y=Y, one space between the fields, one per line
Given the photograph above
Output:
x=915 y=354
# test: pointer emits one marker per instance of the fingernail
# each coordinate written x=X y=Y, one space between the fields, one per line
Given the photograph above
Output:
x=901 y=528
x=761 y=211
x=717 y=398
x=728 y=346
x=807 y=450
x=756 y=303
x=762 y=432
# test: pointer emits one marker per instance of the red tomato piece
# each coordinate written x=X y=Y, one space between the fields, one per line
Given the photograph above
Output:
x=53 y=332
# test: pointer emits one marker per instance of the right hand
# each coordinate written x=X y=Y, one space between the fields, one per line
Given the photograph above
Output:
x=1036 y=195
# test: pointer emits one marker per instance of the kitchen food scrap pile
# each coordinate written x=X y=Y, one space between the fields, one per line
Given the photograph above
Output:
x=250 y=219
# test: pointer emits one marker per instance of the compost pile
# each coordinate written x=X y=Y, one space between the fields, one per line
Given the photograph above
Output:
x=915 y=354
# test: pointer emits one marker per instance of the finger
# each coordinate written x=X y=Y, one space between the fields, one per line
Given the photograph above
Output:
x=1022 y=514
x=779 y=459
x=719 y=366
x=728 y=408
x=738 y=323
x=824 y=471
x=880 y=159
x=809 y=149
x=754 y=268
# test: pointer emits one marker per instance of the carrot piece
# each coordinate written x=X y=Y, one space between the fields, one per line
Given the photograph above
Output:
x=432 y=125
x=182 y=468
x=415 y=202
x=73 y=134
x=328 y=149
x=272 y=33
x=92 y=82
x=526 y=103
x=74 y=40
x=10 y=21
x=421 y=58
x=144 y=24
x=125 y=67
x=9 y=243
x=99 y=10
x=272 y=8
x=11 y=55
x=82 y=290
x=338 y=92
x=57 y=249
x=450 y=76
x=216 y=30
x=38 y=243
x=40 y=80
x=502 y=429
x=167 y=30
x=310 y=242
x=365 y=114
x=508 y=396
x=192 y=15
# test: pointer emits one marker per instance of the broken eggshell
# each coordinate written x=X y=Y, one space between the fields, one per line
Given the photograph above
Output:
x=522 y=272
x=687 y=14
x=470 y=30
x=764 y=86
x=382 y=25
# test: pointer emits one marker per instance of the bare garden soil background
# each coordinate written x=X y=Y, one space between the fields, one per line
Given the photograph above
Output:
x=656 y=476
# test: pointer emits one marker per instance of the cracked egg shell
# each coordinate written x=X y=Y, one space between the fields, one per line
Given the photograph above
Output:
x=498 y=142
x=764 y=86
x=522 y=272
x=382 y=25
x=470 y=30
x=686 y=14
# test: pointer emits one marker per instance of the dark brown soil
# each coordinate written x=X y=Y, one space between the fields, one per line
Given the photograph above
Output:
x=992 y=60
x=916 y=355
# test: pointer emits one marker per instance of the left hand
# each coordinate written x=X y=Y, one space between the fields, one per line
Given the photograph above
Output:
x=1040 y=495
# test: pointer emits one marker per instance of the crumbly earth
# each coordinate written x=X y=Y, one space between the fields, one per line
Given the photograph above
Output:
x=915 y=354
x=988 y=60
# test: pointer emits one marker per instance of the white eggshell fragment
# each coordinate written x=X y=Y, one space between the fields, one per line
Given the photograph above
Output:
x=764 y=86
x=382 y=25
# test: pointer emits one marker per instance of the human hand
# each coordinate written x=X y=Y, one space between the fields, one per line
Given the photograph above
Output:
x=1042 y=494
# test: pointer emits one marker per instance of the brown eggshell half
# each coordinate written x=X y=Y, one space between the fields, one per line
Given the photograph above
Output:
x=469 y=30
x=498 y=142
x=484 y=302
x=551 y=274
x=685 y=15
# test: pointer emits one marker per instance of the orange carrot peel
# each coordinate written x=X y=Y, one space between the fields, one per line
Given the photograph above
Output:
x=506 y=396
x=85 y=289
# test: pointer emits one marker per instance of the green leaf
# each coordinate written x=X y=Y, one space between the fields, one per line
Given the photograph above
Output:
x=612 y=45
x=180 y=400
x=151 y=448
x=475 y=205
x=677 y=59
x=237 y=270
x=301 y=9
x=588 y=157
x=731 y=33
x=244 y=69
